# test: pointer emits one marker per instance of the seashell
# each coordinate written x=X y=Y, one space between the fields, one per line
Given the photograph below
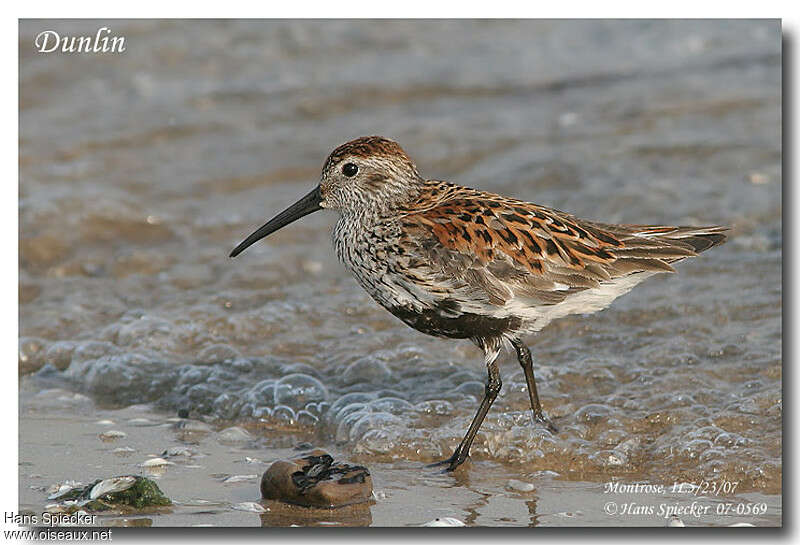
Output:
x=112 y=485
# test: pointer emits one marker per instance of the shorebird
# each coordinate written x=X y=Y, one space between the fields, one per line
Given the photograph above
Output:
x=460 y=263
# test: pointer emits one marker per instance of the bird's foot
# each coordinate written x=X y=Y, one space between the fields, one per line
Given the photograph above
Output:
x=450 y=464
x=544 y=420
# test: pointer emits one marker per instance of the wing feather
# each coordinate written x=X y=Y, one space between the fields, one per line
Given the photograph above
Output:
x=494 y=248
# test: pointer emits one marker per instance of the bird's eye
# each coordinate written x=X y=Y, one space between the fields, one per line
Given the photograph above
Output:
x=350 y=170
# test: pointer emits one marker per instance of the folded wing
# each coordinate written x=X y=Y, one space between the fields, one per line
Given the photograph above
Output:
x=493 y=251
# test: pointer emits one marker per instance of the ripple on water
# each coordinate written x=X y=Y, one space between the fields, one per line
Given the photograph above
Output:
x=368 y=369
x=298 y=390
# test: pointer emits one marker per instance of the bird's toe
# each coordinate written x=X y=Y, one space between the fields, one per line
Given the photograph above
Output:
x=543 y=419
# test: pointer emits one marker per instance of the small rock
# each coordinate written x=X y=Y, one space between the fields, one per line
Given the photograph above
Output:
x=234 y=435
x=569 y=514
x=249 y=460
x=444 y=522
x=316 y=480
x=157 y=462
x=675 y=522
x=141 y=422
x=239 y=478
x=250 y=506
x=31 y=354
x=59 y=355
x=112 y=435
x=519 y=486
x=105 y=422
x=178 y=451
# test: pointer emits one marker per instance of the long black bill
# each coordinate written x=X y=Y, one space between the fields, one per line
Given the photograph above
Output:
x=303 y=207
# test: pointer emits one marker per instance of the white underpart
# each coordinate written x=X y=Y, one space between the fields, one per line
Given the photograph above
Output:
x=536 y=316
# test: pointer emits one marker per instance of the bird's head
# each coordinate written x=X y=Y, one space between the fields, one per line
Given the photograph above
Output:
x=363 y=176
x=367 y=173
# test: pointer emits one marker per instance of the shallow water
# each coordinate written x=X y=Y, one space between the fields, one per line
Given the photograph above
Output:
x=212 y=478
x=139 y=172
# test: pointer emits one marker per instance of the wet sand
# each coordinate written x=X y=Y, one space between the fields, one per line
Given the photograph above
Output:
x=482 y=493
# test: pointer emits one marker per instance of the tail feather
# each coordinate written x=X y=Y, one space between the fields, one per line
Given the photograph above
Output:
x=699 y=238
x=665 y=243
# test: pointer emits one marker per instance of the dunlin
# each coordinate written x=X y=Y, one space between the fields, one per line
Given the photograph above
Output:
x=456 y=262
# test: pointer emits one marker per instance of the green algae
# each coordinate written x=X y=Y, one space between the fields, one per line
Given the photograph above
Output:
x=142 y=493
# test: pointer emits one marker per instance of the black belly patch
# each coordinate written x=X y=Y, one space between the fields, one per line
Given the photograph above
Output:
x=446 y=320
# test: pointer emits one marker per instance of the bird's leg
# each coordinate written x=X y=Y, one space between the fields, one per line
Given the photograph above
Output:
x=493 y=386
x=525 y=360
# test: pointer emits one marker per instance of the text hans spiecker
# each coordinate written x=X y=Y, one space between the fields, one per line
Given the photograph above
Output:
x=49 y=519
